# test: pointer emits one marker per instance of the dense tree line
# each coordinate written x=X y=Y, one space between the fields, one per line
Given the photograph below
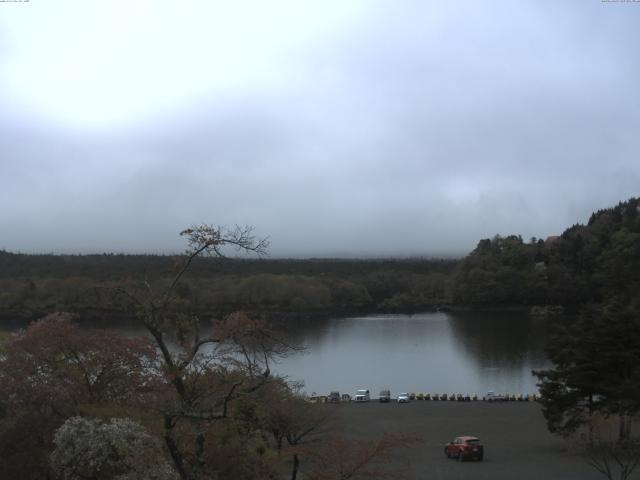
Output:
x=110 y=266
x=587 y=263
x=594 y=378
x=31 y=285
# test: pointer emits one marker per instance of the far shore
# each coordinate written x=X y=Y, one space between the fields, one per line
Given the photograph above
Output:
x=120 y=318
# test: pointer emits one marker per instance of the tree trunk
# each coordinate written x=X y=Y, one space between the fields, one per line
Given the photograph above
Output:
x=174 y=451
x=200 y=450
x=296 y=465
x=623 y=433
x=590 y=421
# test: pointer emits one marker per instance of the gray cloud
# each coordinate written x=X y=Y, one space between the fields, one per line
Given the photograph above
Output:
x=413 y=129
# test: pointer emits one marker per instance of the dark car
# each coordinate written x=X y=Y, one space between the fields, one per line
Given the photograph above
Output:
x=334 y=397
x=464 y=448
x=385 y=396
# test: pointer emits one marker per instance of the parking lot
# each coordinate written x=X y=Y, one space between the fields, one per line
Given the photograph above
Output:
x=516 y=442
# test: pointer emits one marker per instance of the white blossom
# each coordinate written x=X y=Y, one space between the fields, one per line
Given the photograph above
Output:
x=116 y=450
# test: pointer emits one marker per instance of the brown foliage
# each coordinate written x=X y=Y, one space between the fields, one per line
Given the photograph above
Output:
x=210 y=395
x=55 y=366
x=54 y=369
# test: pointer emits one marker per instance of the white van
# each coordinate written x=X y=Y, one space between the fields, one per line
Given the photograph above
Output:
x=362 y=396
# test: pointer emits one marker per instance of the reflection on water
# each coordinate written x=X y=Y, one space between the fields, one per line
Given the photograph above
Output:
x=432 y=352
x=470 y=352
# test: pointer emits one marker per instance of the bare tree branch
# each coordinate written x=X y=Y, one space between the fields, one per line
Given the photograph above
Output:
x=614 y=460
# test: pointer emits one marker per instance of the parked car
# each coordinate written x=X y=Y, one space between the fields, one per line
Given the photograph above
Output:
x=362 y=396
x=493 y=397
x=385 y=396
x=403 y=398
x=464 y=448
x=334 y=397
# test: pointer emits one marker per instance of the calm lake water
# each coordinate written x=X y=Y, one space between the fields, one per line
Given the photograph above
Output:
x=430 y=352
x=470 y=352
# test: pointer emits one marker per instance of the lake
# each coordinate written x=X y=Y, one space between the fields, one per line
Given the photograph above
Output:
x=429 y=352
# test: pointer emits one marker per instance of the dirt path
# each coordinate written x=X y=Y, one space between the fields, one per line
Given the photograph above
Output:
x=516 y=441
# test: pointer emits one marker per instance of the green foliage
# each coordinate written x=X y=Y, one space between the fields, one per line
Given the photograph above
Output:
x=268 y=291
x=34 y=285
x=5 y=337
x=587 y=263
x=595 y=368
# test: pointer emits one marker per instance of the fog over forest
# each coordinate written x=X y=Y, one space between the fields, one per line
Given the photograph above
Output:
x=358 y=128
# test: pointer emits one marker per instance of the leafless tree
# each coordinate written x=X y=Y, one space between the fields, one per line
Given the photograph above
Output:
x=295 y=424
x=615 y=460
x=204 y=373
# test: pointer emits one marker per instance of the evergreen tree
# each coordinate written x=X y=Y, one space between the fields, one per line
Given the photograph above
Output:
x=596 y=368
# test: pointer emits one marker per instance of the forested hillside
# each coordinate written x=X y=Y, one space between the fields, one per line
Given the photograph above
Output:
x=584 y=264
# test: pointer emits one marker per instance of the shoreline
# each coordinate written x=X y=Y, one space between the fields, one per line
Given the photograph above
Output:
x=119 y=317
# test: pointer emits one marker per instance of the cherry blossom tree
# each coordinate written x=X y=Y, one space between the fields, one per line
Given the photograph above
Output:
x=54 y=369
x=54 y=366
x=118 y=449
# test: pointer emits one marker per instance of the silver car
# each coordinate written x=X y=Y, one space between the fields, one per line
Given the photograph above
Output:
x=403 y=398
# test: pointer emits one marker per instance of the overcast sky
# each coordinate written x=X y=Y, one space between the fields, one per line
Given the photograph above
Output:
x=337 y=128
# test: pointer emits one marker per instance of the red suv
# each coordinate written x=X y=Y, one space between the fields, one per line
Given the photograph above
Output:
x=464 y=448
